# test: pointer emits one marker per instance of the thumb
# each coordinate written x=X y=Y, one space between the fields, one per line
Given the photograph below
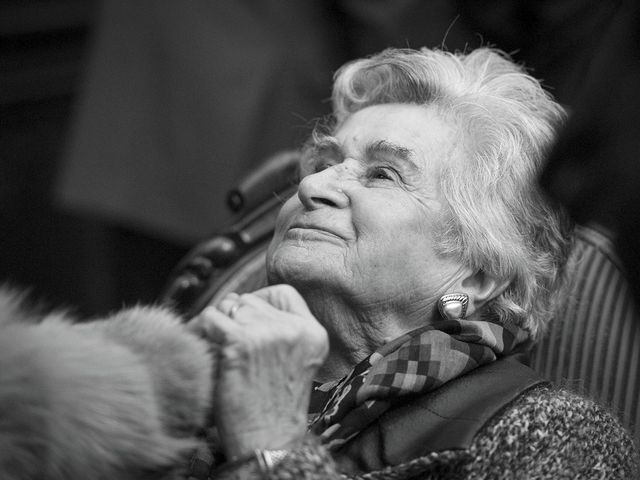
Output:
x=285 y=298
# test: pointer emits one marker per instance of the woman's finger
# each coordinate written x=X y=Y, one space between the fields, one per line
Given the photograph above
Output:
x=283 y=297
x=214 y=325
x=251 y=300
x=229 y=304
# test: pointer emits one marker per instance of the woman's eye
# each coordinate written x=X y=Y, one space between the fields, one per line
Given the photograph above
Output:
x=315 y=166
x=382 y=173
x=321 y=164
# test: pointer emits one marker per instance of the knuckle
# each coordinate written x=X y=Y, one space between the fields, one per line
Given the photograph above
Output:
x=237 y=355
x=322 y=340
x=286 y=289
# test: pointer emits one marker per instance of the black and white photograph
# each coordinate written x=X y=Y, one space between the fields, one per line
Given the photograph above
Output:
x=319 y=239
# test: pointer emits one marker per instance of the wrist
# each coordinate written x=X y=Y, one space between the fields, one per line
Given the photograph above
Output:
x=257 y=465
x=238 y=443
x=297 y=459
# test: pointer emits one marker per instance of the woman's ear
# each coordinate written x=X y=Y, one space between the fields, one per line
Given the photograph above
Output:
x=481 y=287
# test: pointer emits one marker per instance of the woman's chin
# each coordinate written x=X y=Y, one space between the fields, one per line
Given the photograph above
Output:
x=299 y=265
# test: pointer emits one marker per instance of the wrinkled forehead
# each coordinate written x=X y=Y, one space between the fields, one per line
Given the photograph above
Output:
x=417 y=134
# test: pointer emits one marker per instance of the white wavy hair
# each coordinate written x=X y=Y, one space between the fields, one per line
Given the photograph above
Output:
x=495 y=218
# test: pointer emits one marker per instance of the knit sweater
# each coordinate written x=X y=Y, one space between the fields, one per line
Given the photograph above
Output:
x=544 y=434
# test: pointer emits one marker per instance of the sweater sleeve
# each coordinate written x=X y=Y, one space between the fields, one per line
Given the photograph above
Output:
x=554 y=434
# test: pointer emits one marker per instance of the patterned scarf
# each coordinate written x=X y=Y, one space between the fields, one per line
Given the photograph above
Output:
x=415 y=363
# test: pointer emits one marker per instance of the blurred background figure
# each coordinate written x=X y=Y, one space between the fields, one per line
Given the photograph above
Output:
x=124 y=124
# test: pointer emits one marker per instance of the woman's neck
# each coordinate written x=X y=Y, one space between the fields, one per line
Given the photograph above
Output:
x=354 y=331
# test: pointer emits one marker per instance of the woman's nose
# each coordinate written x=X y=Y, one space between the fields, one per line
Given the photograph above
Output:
x=323 y=189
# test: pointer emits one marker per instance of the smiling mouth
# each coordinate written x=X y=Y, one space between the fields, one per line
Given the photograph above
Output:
x=311 y=232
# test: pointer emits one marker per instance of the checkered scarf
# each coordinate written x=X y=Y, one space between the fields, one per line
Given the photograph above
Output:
x=415 y=363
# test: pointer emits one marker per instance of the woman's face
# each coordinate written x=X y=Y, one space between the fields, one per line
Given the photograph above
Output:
x=362 y=224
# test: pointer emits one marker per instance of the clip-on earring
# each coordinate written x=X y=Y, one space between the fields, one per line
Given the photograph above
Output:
x=453 y=306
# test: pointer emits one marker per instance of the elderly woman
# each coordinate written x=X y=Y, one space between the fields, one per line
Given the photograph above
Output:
x=409 y=275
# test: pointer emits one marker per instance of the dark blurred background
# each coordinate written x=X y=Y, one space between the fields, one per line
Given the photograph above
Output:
x=123 y=124
x=43 y=51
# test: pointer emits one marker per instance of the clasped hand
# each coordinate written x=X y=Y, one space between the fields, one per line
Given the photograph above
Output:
x=269 y=348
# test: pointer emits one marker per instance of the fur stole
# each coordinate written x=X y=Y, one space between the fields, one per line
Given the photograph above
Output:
x=113 y=398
